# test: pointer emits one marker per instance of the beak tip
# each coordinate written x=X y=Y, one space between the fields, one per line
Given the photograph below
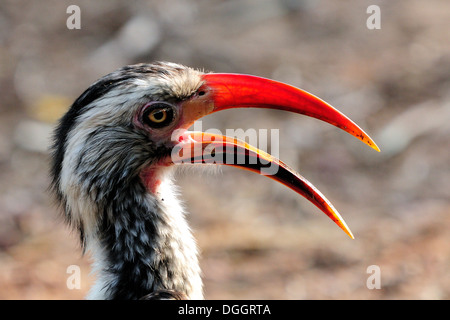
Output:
x=375 y=147
x=347 y=231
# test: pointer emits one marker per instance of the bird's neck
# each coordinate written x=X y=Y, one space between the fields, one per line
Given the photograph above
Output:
x=143 y=245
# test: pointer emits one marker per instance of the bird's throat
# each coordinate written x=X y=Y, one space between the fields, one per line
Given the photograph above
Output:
x=145 y=244
x=153 y=176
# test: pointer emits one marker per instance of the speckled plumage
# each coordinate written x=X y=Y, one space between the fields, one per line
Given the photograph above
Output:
x=140 y=241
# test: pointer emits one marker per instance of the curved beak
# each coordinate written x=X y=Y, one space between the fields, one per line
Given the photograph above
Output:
x=245 y=91
x=226 y=91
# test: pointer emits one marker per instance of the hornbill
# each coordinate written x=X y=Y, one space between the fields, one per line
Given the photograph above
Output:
x=111 y=167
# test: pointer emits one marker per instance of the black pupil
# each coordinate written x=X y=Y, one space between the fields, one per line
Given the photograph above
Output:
x=161 y=113
x=158 y=115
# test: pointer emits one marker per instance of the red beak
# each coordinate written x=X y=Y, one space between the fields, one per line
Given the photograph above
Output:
x=226 y=91
x=245 y=91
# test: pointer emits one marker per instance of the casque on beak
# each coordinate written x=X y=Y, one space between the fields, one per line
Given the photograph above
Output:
x=226 y=91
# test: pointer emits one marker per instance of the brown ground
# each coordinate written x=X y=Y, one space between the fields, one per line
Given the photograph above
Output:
x=258 y=239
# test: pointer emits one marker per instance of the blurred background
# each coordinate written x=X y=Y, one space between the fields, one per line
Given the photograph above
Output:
x=259 y=240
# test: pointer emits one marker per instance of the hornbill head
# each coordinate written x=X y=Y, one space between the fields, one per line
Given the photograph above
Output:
x=121 y=135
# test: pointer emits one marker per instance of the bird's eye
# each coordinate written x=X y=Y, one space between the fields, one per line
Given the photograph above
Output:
x=158 y=115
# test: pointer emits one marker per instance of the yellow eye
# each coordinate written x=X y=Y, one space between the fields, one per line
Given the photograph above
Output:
x=158 y=115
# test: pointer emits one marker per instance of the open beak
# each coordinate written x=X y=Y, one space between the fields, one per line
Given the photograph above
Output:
x=226 y=91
